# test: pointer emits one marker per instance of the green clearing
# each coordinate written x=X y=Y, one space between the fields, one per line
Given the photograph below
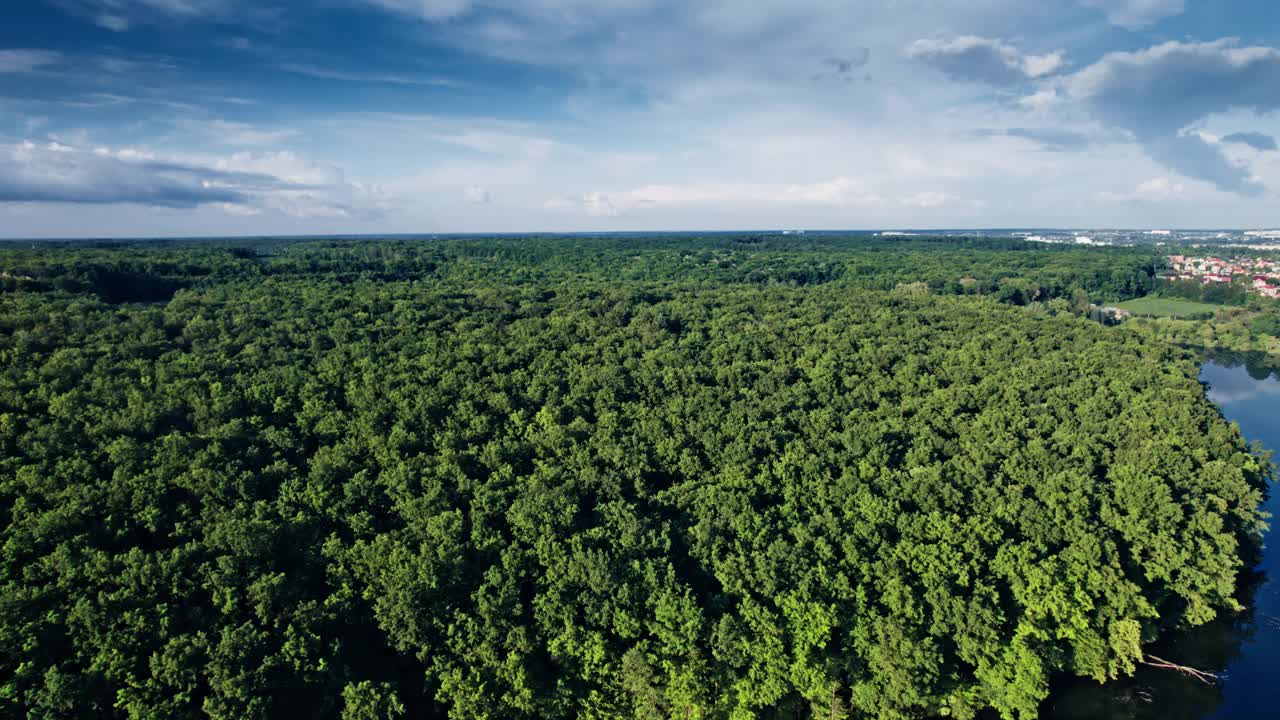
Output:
x=1168 y=307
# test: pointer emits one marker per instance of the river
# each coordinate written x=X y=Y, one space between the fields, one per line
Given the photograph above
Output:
x=1245 y=649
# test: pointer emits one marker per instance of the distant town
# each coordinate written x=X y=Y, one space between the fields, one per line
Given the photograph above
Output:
x=1244 y=239
x=1252 y=239
x=1263 y=275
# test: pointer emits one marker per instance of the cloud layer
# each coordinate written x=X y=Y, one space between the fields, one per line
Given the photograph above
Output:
x=1157 y=93
x=62 y=174
x=241 y=183
x=1056 y=139
x=986 y=60
x=1164 y=88
x=1256 y=140
x=621 y=114
x=1134 y=14
x=836 y=193
x=18 y=61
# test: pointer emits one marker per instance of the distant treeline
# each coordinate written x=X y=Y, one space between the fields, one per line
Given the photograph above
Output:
x=1212 y=293
x=1012 y=271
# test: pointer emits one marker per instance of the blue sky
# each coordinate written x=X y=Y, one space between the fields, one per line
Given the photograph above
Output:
x=224 y=117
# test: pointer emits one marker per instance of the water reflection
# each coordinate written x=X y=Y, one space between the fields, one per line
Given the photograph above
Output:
x=1257 y=366
x=1154 y=694
x=1245 y=649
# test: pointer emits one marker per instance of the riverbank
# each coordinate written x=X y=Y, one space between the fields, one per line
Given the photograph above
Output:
x=1231 y=329
x=1242 y=648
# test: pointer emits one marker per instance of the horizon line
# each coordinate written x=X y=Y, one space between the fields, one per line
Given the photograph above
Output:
x=600 y=233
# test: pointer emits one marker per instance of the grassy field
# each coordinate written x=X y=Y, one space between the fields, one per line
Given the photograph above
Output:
x=1168 y=307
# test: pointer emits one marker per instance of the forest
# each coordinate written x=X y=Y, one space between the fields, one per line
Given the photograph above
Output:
x=548 y=477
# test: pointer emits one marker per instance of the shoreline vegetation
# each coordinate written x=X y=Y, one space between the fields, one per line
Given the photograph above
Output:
x=724 y=477
x=1232 y=329
x=1252 y=329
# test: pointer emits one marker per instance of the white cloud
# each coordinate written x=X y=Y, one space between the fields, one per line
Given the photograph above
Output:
x=1261 y=142
x=721 y=174
x=115 y=23
x=986 y=60
x=326 y=73
x=1161 y=188
x=594 y=204
x=183 y=7
x=478 y=195
x=121 y=16
x=15 y=62
x=1135 y=14
x=1041 y=101
x=122 y=65
x=124 y=15
x=286 y=165
x=1155 y=190
x=224 y=132
x=573 y=15
x=720 y=53
x=929 y=200
x=1044 y=138
x=505 y=144
x=840 y=192
x=428 y=9
x=1038 y=66
x=33 y=123
x=238 y=209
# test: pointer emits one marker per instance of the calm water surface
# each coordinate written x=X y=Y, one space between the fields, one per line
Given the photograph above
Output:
x=1245 y=649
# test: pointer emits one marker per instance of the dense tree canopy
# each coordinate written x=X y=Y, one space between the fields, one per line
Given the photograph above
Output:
x=609 y=478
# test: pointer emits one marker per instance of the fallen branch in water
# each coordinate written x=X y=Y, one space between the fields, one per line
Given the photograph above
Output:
x=1207 y=678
